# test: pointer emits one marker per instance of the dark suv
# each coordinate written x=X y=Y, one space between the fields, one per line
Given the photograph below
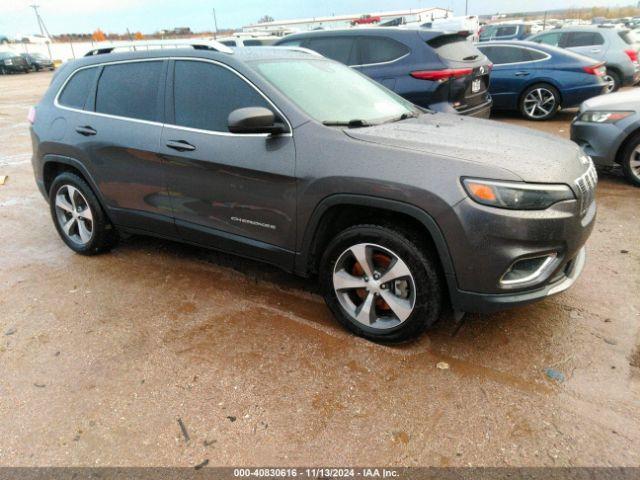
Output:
x=12 y=63
x=299 y=161
x=436 y=70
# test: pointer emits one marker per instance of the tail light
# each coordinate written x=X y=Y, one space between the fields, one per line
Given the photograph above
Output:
x=633 y=55
x=599 y=69
x=31 y=116
x=442 y=75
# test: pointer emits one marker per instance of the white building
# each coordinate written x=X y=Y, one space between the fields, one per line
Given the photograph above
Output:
x=416 y=15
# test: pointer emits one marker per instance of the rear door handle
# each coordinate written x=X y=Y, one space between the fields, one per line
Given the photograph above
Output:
x=522 y=74
x=596 y=50
x=180 y=145
x=87 y=131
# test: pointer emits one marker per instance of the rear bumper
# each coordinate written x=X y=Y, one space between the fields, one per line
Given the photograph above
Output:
x=482 y=110
x=479 y=111
x=485 y=303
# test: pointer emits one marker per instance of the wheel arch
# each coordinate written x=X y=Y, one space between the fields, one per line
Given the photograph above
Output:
x=54 y=165
x=631 y=136
x=337 y=212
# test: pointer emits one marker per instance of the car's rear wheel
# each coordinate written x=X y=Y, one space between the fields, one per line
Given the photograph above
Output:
x=631 y=160
x=79 y=217
x=540 y=102
x=381 y=284
x=612 y=81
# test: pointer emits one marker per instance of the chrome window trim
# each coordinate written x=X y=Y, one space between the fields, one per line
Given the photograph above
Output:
x=547 y=56
x=382 y=63
x=57 y=104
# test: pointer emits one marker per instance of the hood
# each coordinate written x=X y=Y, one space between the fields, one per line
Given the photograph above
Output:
x=530 y=155
x=627 y=100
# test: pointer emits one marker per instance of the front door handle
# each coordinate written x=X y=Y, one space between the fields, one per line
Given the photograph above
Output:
x=522 y=74
x=180 y=145
x=86 y=130
x=595 y=50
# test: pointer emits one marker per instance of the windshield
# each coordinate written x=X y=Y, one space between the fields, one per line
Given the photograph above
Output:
x=332 y=93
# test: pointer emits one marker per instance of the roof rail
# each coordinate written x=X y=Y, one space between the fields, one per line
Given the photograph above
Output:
x=144 y=46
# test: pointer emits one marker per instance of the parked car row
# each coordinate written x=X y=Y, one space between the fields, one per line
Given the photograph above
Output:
x=11 y=62
x=440 y=71
x=614 y=47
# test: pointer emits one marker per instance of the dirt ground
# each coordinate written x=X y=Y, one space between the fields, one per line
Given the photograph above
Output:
x=102 y=358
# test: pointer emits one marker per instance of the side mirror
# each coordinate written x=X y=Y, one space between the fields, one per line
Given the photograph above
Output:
x=254 y=120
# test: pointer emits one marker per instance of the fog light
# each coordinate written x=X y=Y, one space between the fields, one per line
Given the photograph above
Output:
x=528 y=271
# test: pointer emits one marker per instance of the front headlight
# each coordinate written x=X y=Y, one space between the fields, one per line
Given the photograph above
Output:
x=516 y=195
x=603 y=116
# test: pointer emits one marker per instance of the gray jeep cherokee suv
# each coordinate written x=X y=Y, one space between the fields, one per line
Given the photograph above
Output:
x=287 y=157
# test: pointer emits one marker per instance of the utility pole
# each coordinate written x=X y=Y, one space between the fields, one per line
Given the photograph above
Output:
x=466 y=8
x=215 y=24
x=43 y=28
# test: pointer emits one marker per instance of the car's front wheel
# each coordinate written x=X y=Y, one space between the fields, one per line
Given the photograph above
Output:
x=79 y=217
x=540 y=102
x=381 y=283
x=631 y=160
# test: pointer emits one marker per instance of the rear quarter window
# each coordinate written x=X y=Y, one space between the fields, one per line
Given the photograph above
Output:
x=582 y=39
x=455 y=48
x=626 y=37
x=379 y=50
x=76 y=91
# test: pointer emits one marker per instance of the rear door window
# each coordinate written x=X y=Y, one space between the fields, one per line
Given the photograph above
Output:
x=373 y=50
x=582 y=39
x=505 y=55
x=205 y=94
x=336 y=48
x=506 y=31
x=76 y=91
x=130 y=90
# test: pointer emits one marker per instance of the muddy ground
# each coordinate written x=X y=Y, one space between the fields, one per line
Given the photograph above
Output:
x=100 y=358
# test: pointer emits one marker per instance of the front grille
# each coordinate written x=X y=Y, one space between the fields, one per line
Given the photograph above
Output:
x=586 y=185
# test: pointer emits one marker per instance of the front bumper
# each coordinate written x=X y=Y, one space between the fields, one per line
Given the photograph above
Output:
x=600 y=141
x=486 y=303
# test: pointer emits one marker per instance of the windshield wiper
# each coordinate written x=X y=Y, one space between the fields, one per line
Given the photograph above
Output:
x=404 y=116
x=355 y=123
x=470 y=57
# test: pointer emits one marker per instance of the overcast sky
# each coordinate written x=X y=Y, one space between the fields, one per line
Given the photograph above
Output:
x=63 y=16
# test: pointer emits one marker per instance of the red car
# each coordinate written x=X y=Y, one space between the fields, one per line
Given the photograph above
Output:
x=366 y=20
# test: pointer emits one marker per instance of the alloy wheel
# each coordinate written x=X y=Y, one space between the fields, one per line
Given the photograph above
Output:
x=539 y=103
x=634 y=163
x=610 y=83
x=374 y=286
x=74 y=214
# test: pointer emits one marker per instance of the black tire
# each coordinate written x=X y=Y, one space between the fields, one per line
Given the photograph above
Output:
x=627 y=156
x=539 y=117
x=3 y=71
x=104 y=235
x=421 y=264
x=615 y=79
